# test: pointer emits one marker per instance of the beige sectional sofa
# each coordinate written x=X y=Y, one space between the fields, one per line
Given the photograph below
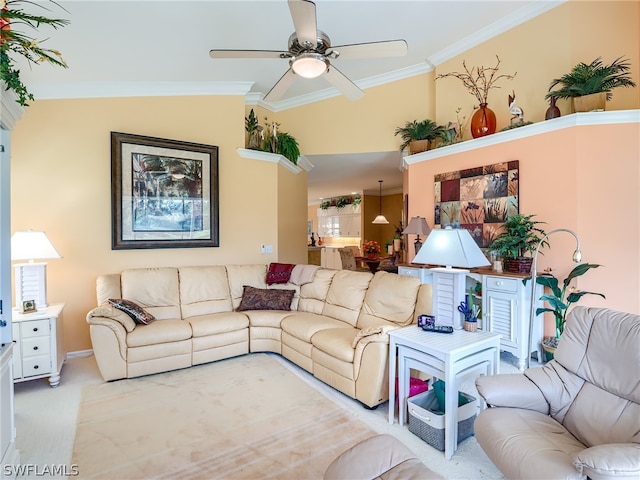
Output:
x=336 y=328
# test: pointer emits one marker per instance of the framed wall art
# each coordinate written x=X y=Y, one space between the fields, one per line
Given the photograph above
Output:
x=164 y=193
x=478 y=199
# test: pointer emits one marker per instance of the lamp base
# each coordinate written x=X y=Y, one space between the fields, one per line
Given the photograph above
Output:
x=31 y=283
x=449 y=289
x=417 y=244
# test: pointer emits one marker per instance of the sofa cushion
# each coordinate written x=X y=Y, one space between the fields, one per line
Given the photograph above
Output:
x=279 y=273
x=154 y=289
x=390 y=297
x=217 y=323
x=265 y=299
x=346 y=294
x=165 y=331
x=303 y=326
x=336 y=342
x=204 y=290
x=313 y=295
x=135 y=311
x=241 y=275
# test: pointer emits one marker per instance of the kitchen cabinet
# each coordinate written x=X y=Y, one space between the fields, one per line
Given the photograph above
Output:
x=330 y=258
x=343 y=222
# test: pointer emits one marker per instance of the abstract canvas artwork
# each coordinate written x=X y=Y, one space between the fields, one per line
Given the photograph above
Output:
x=477 y=199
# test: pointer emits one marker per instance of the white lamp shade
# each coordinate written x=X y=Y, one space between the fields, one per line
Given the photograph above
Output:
x=452 y=248
x=32 y=245
x=380 y=220
x=417 y=226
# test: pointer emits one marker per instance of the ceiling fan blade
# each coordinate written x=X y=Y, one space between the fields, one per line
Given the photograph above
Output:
x=280 y=87
x=390 y=48
x=303 y=13
x=248 y=54
x=342 y=83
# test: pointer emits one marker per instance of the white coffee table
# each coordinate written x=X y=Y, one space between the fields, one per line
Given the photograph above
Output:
x=446 y=356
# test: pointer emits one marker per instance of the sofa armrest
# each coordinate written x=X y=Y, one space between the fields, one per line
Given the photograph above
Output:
x=614 y=460
x=511 y=390
x=107 y=312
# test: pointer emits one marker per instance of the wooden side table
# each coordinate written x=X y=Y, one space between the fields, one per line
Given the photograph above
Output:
x=445 y=356
x=39 y=350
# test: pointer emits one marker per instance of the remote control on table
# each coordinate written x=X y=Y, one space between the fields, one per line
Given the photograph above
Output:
x=438 y=328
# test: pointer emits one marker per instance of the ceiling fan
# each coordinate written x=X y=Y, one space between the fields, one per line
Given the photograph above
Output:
x=310 y=53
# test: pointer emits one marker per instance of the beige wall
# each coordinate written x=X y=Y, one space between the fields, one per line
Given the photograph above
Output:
x=61 y=183
x=61 y=157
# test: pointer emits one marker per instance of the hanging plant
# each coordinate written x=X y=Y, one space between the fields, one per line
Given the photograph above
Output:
x=14 y=42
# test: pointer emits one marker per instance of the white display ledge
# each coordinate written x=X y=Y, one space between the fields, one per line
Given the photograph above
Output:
x=573 y=120
x=303 y=163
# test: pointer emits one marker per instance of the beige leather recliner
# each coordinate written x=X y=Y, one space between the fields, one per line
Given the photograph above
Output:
x=576 y=417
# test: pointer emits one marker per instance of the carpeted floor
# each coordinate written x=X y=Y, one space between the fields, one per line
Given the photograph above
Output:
x=243 y=418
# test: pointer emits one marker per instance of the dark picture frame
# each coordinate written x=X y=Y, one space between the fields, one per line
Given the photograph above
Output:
x=164 y=193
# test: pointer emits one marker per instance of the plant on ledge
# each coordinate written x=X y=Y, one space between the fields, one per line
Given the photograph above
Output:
x=586 y=79
x=413 y=132
x=15 y=43
x=270 y=139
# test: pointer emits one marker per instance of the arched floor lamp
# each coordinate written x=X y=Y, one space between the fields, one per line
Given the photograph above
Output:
x=577 y=256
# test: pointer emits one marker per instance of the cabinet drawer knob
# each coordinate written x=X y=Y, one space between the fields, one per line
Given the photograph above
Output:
x=35 y=329
x=35 y=367
x=499 y=283
x=35 y=348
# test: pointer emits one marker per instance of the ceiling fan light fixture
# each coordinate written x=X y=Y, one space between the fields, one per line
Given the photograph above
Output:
x=309 y=65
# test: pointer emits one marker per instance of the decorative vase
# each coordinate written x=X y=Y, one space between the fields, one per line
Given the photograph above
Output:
x=483 y=122
x=552 y=111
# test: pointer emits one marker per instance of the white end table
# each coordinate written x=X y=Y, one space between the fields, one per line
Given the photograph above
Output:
x=445 y=356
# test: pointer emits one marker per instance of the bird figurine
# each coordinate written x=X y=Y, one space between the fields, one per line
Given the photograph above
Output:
x=514 y=110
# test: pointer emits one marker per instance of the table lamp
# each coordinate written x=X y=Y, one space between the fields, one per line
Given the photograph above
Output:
x=417 y=226
x=31 y=277
x=452 y=248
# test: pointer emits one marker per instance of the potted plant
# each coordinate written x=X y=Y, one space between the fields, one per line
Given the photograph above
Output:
x=520 y=236
x=270 y=139
x=418 y=136
x=593 y=81
x=559 y=301
x=14 y=42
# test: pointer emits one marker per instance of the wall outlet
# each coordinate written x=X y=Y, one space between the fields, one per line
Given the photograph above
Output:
x=266 y=248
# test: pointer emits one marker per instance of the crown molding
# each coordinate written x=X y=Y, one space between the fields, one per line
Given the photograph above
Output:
x=568 y=121
x=46 y=91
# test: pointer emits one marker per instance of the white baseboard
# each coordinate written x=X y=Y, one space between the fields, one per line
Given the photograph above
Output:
x=79 y=354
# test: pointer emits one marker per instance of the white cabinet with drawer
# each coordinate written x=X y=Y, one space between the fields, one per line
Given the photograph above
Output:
x=39 y=350
x=506 y=304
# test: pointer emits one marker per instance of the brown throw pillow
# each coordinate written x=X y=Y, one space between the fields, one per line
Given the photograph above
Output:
x=135 y=311
x=265 y=299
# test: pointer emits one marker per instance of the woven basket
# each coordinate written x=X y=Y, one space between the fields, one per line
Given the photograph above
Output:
x=470 y=326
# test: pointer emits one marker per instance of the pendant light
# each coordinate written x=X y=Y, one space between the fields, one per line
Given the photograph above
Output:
x=380 y=219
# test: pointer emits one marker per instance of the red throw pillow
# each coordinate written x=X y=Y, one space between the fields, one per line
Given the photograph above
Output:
x=279 y=273
x=265 y=299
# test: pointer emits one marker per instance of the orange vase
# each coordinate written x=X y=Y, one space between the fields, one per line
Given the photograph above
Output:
x=483 y=122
